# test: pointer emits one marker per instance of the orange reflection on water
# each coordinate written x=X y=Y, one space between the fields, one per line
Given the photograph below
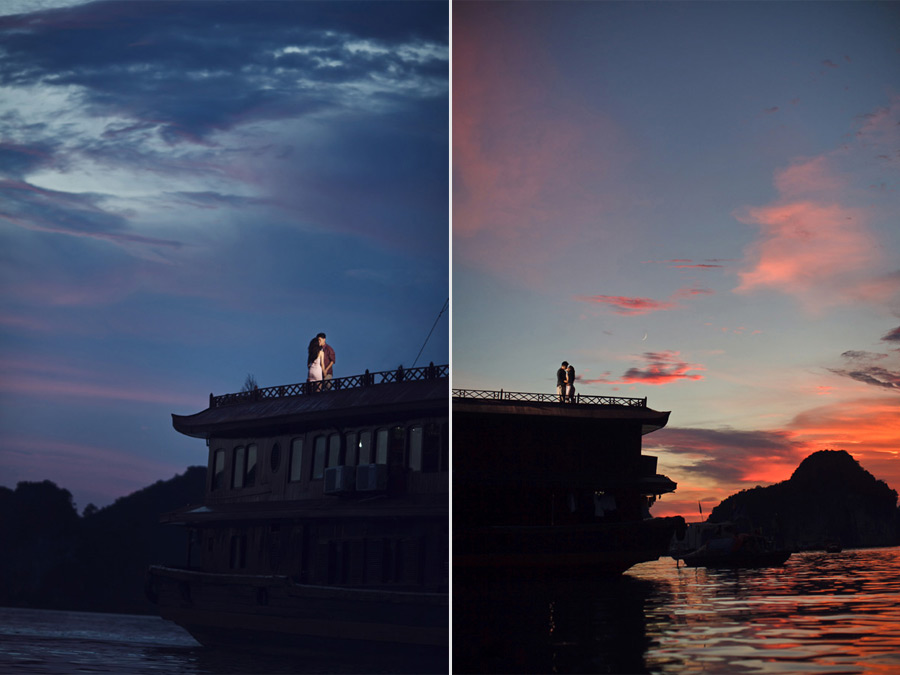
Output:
x=818 y=612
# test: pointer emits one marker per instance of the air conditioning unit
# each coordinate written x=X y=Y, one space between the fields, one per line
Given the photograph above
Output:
x=371 y=477
x=339 y=479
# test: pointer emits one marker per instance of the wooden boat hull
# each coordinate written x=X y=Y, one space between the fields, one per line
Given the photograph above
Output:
x=272 y=613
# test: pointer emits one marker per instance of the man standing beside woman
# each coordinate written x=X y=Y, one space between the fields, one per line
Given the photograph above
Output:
x=565 y=383
x=320 y=361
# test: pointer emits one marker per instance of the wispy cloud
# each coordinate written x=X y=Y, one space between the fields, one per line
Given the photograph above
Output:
x=627 y=306
x=633 y=306
x=816 y=242
x=59 y=380
x=688 y=264
x=659 y=368
x=892 y=336
x=870 y=368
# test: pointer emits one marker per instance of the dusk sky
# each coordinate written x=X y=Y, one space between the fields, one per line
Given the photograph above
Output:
x=694 y=202
x=189 y=192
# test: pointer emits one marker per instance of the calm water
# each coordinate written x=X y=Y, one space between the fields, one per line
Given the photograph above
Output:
x=820 y=613
x=64 y=643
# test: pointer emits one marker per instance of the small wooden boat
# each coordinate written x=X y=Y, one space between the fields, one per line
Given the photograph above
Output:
x=743 y=550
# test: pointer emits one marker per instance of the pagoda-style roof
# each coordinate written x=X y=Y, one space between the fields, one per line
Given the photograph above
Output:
x=342 y=401
x=522 y=404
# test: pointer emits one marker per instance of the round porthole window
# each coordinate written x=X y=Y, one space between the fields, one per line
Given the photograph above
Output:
x=275 y=458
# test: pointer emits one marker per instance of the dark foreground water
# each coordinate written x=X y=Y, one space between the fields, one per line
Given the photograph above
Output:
x=820 y=613
x=65 y=643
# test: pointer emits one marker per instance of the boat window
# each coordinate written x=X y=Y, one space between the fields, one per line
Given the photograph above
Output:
x=381 y=446
x=237 y=468
x=318 y=469
x=250 y=477
x=352 y=448
x=431 y=449
x=275 y=458
x=365 y=447
x=218 y=477
x=397 y=447
x=415 y=447
x=334 y=450
x=296 y=459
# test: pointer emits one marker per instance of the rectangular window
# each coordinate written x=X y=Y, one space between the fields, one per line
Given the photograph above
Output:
x=431 y=449
x=415 y=448
x=218 y=478
x=352 y=448
x=237 y=468
x=365 y=447
x=381 y=446
x=334 y=450
x=250 y=476
x=296 y=459
x=318 y=469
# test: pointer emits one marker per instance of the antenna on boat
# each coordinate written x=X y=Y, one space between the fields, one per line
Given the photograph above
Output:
x=446 y=302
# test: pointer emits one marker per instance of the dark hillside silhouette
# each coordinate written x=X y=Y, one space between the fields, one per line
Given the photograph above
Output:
x=51 y=558
x=828 y=497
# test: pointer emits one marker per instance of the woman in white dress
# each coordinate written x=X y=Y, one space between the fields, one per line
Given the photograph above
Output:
x=316 y=361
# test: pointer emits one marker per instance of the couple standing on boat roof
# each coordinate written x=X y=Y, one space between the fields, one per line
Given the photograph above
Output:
x=565 y=383
x=320 y=361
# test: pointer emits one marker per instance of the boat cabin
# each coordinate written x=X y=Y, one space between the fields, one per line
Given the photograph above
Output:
x=339 y=482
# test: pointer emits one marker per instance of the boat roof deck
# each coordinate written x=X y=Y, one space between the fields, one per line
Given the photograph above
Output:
x=404 y=391
x=524 y=404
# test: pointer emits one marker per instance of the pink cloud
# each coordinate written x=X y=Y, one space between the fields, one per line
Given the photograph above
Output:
x=628 y=306
x=532 y=173
x=634 y=306
x=817 y=241
x=812 y=250
x=659 y=368
x=809 y=176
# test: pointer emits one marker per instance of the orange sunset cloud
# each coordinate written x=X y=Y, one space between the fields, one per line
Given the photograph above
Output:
x=715 y=463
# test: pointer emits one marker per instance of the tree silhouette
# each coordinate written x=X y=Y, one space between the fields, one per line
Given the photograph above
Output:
x=250 y=383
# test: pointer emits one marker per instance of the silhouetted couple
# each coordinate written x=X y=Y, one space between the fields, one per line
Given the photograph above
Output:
x=320 y=362
x=565 y=383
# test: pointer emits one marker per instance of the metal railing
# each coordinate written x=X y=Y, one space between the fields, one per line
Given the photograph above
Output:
x=580 y=399
x=367 y=379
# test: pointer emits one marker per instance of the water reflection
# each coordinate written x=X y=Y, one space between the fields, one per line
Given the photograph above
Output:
x=821 y=613
x=503 y=625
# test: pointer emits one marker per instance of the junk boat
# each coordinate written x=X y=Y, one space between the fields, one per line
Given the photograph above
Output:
x=540 y=484
x=325 y=519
